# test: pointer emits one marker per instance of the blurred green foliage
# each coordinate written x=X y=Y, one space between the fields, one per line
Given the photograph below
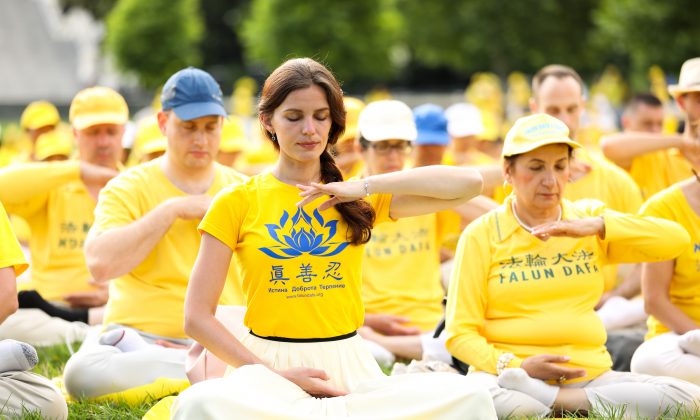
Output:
x=499 y=35
x=390 y=41
x=355 y=38
x=155 y=38
x=648 y=32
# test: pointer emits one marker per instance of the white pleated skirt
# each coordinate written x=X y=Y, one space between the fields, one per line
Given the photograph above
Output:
x=256 y=392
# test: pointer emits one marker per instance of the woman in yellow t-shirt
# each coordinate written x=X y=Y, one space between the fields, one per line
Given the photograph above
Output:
x=672 y=292
x=527 y=277
x=297 y=233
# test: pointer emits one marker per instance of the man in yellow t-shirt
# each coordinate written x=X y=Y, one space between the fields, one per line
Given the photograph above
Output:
x=58 y=200
x=401 y=278
x=559 y=91
x=20 y=389
x=655 y=160
x=145 y=241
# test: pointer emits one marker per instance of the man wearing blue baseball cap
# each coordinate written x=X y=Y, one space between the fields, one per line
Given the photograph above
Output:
x=433 y=139
x=144 y=242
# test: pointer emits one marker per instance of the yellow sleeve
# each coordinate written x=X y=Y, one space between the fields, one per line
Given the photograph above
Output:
x=117 y=205
x=661 y=204
x=24 y=189
x=10 y=252
x=225 y=216
x=467 y=298
x=381 y=203
x=632 y=238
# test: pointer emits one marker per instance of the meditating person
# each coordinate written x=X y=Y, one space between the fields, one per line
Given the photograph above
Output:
x=527 y=277
x=143 y=243
x=671 y=288
x=298 y=233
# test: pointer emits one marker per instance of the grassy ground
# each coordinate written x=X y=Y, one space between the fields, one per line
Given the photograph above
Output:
x=53 y=359
x=51 y=363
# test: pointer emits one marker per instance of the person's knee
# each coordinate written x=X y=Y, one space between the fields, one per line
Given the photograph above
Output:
x=85 y=369
x=514 y=404
x=45 y=398
x=193 y=402
x=54 y=406
x=647 y=363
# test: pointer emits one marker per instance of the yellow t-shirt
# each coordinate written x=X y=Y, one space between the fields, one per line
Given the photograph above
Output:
x=658 y=170
x=511 y=292
x=401 y=271
x=684 y=290
x=449 y=224
x=151 y=297
x=605 y=182
x=10 y=253
x=54 y=201
x=301 y=278
x=611 y=185
x=358 y=168
x=21 y=228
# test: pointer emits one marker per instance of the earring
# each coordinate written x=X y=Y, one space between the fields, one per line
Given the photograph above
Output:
x=505 y=184
x=274 y=137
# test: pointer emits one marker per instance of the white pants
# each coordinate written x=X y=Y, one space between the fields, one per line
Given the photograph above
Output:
x=97 y=370
x=642 y=395
x=255 y=392
x=618 y=312
x=661 y=355
x=28 y=391
x=433 y=349
x=35 y=327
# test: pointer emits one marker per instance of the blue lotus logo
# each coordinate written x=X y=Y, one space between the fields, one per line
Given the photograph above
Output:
x=303 y=234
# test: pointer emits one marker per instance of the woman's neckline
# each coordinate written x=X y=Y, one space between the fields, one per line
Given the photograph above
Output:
x=525 y=226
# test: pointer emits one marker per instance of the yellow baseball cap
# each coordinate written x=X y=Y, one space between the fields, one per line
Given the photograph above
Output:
x=232 y=136
x=39 y=114
x=154 y=144
x=98 y=105
x=353 y=107
x=534 y=131
x=55 y=142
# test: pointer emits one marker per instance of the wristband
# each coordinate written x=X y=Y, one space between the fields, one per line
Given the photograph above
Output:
x=503 y=362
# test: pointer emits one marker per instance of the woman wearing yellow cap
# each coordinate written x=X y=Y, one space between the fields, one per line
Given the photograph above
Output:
x=298 y=234
x=527 y=277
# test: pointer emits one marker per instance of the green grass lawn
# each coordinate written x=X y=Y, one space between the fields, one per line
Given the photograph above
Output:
x=51 y=363
x=53 y=359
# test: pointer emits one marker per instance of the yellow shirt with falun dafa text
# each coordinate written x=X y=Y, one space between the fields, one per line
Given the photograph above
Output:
x=151 y=297
x=301 y=277
x=10 y=253
x=611 y=185
x=54 y=201
x=510 y=292
x=658 y=170
x=401 y=271
x=684 y=290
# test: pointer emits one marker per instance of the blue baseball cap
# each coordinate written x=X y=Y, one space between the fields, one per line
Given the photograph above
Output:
x=192 y=93
x=431 y=124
